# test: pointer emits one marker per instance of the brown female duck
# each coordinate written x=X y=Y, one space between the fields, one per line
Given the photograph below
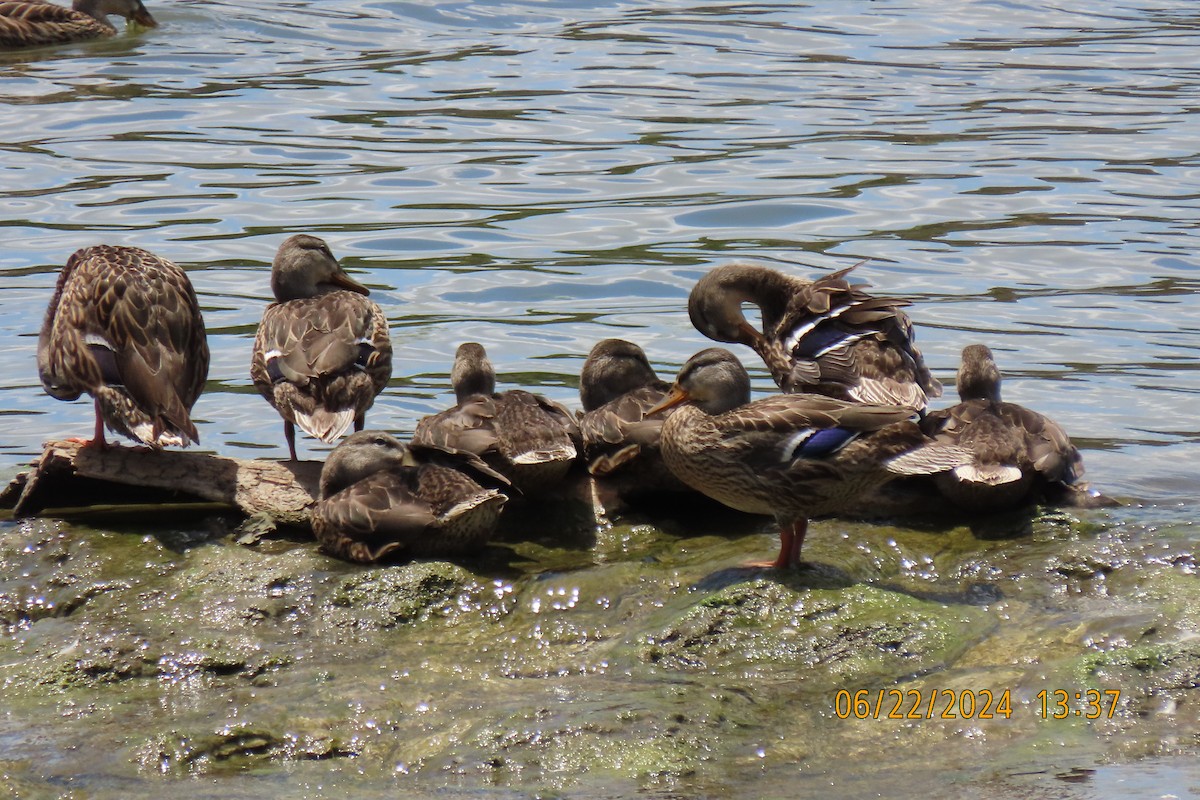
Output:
x=621 y=443
x=322 y=352
x=380 y=497
x=124 y=326
x=530 y=439
x=794 y=456
x=28 y=23
x=826 y=336
x=1020 y=456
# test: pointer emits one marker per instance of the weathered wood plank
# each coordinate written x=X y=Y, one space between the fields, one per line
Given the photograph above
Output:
x=283 y=491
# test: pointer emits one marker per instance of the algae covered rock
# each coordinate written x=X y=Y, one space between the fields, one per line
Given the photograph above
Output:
x=854 y=634
x=384 y=597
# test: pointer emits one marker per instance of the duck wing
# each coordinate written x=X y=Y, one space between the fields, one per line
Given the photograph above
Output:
x=322 y=360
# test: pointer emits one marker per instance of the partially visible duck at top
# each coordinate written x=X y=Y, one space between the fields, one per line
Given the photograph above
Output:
x=1020 y=456
x=124 y=326
x=530 y=439
x=793 y=456
x=618 y=387
x=322 y=352
x=826 y=336
x=29 y=23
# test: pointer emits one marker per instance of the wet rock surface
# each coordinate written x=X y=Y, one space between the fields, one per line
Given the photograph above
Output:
x=635 y=658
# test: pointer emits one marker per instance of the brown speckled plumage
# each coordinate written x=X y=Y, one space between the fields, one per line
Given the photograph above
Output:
x=826 y=336
x=794 y=456
x=1020 y=456
x=28 y=23
x=529 y=438
x=382 y=498
x=621 y=443
x=124 y=326
x=322 y=352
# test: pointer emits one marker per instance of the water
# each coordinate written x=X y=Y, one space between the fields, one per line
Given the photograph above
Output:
x=540 y=175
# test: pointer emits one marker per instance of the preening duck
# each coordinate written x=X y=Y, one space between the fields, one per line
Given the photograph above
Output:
x=124 y=326
x=826 y=336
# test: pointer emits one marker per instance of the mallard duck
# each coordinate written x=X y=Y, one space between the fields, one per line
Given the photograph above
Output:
x=27 y=23
x=621 y=443
x=532 y=440
x=380 y=497
x=1020 y=456
x=826 y=336
x=794 y=456
x=322 y=352
x=124 y=326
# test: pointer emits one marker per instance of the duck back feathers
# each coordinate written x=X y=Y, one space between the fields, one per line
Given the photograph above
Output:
x=29 y=23
x=125 y=327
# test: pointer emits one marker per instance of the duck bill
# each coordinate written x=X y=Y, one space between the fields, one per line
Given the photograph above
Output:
x=673 y=398
x=142 y=17
x=343 y=281
x=750 y=336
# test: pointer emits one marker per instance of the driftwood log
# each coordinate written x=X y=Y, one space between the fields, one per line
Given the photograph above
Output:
x=69 y=476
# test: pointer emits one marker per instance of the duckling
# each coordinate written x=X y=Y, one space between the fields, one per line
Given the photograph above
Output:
x=1020 y=456
x=125 y=327
x=826 y=336
x=28 y=23
x=381 y=498
x=793 y=456
x=529 y=438
x=322 y=353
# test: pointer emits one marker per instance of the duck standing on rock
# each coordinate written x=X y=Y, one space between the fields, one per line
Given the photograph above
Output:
x=1020 y=456
x=621 y=442
x=322 y=353
x=124 y=326
x=793 y=456
x=380 y=497
x=28 y=23
x=826 y=336
x=530 y=439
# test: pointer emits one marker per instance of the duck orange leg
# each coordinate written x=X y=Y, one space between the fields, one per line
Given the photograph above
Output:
x=791 y=539
x=97 y=440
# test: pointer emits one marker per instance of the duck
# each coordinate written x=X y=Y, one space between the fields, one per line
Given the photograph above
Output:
x=530 y=439
x=124 y=327
x=791 y=456
x=617 y=387
x=1020 y=457
x=29 y=23
x=322 y=353
x=825 y=336
x=381 y=498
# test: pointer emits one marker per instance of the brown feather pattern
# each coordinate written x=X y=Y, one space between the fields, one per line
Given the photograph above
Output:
x=529 y=438
x=124 y=326
x=826 y=336
x=751 y=456
x=403 y=500
x=1019 y=455
x=29 y=23
x=322 y=352
x=621 y=441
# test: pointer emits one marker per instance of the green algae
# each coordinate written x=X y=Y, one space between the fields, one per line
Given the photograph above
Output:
x=652 y=663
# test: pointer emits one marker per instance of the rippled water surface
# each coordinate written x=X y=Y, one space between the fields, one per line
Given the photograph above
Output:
x=540 y=175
